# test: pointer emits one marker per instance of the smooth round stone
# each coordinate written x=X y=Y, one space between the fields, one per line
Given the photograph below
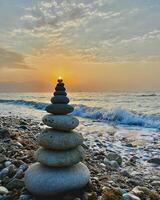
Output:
x=60 y=158
x=60 y=93
x=51 y=139
x=61 y=122
x=41 y=180
x=60 y=99
x=59 y=109
x=60 y=88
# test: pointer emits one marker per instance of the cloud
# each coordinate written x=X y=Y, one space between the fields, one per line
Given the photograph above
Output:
x=155 y=34
x=92 y=30
x=12 y=60
x=24 y=86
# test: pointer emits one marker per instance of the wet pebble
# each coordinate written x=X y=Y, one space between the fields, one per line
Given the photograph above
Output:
x=129 y=196
x=3 y=190
x=25 y=197
x=2 y=197
x=15 y=184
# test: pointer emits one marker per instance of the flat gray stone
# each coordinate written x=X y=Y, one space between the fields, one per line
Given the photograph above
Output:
x=59 y=109
x=114 y=156
x=41 y=180
x=129 y=196
x=60 y=158
x=55 y=140
x=60 y=88
x=60 y=99
x=154 y=161
x=60 y=93
x=61 y=122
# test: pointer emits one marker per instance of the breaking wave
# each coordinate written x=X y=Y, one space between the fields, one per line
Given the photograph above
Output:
x=116 y=115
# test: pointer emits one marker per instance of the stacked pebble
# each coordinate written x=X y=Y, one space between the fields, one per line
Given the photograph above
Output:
x=59 y=168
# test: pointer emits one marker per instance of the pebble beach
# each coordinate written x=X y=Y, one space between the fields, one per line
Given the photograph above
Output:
x=112 y=176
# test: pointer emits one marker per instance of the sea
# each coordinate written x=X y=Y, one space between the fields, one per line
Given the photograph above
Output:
x=119 y=108
x=129 y=116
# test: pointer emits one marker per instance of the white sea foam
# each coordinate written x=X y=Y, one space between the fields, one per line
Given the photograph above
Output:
x=116 y=115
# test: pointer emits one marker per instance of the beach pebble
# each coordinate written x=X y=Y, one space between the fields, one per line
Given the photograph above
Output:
x=4 y=133
x=24 y=127
x=11 y=170
x=3 y=197
x=143 y=192
x=60 y=158
x=3 y=190
x=4 y=172
x=25 y=197
x=110 y=193
x=7 y=163
x=15 y=184
x=59 y=109
x=156 y=183
x=111 y=164
x=61 y=122
x=19 y=173
x=2 y=158
x=56 y=140
x=129 y=196
x=115 y=157
x=154 y=161
x=55 y=180
x=24 y=167
x=125 y=173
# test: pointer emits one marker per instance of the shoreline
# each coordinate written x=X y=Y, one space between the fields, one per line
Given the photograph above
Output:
x=107 y=178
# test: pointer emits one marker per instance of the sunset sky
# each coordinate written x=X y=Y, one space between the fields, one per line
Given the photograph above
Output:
x=95 y=45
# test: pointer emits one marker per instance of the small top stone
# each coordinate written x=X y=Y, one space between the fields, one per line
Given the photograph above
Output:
x=60 y=80
x=60 y=89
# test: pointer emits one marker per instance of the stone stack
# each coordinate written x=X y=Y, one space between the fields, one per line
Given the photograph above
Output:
x=59 y=168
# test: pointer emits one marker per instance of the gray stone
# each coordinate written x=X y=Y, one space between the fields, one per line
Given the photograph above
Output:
x=25 y=197
x=114 y=156
x=60 y=93
x=51 y=139
x=2 y=158
x=4 y=133
x=129 y=196
x=125 y=173
x=111 y=164
x=15 y=184
x=156 y=183
x=7 y=163
x=61 y=122
x=19 y=173
x=60 y=99
x=45 y=181
x=59 y=109
x=60 y=158
x=60 y=88
x=24 y=167
x=2 y=197
x=11 y=169
x=3 y=190
x=4 y=172
x=154 y=161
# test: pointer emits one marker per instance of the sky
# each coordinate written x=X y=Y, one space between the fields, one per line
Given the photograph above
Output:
x=95 y=45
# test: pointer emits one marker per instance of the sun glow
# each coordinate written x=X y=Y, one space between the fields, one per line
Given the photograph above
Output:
x=59 y=78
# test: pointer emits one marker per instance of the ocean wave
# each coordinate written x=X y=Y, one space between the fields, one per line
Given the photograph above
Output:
x=32 y=104
x=116 y=115
x=148 y=95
